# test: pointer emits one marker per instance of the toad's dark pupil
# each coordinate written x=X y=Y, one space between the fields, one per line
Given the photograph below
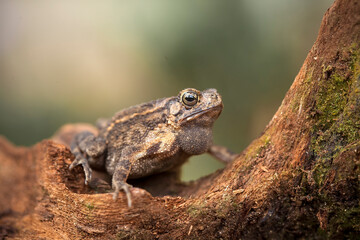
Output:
x=189 y=97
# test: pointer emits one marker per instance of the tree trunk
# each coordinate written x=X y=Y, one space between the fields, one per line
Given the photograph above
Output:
x=300 y=179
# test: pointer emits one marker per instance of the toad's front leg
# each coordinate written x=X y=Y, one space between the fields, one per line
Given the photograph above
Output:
x=87 y=148
x=121 y=172
x=222 y=153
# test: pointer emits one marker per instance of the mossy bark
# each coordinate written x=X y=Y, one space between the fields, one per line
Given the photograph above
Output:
x=300 y=179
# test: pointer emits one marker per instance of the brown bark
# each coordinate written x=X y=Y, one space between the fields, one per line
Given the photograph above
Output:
x=300 y=179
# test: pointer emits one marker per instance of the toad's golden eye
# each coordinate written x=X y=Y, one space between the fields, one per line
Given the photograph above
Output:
x=189 y=98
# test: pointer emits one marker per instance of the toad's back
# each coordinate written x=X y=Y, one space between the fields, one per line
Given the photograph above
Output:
x=132 y=125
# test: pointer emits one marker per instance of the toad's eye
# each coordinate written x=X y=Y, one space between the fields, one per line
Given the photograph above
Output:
x=189 y=98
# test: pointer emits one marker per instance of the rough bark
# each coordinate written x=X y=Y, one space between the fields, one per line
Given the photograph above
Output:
x=299 y=179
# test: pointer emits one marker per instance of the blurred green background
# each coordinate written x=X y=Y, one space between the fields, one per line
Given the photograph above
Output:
x=76 y=61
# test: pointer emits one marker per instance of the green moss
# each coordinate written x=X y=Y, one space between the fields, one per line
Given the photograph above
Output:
x=331 y=100
x=347 y=220
x=295 y=104
x=89 y=206
x=265 y=144
x=196 y=210
x=336 y=130
x=226 y=204
x=337 y=122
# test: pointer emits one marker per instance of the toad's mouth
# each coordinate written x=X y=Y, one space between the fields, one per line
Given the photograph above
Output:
x=216 y=110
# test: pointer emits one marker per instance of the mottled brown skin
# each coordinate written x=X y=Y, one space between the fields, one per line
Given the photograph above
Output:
x=150 y=138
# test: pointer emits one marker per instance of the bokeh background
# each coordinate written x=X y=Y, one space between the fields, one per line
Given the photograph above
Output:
x=75 y=61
